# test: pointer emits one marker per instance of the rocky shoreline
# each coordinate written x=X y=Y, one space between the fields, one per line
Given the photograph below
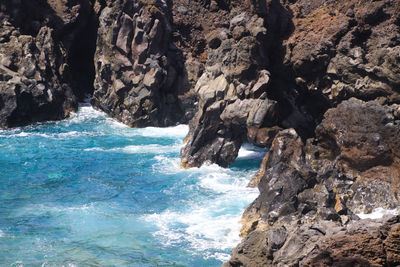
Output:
x=318 y=82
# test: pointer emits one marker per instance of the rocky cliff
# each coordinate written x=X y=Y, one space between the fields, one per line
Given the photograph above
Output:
x=243 y=92
x=39 y=48
x=311 y=189
x=298 y=59
x=311 y=193
x=318 y=82
x=141 y=77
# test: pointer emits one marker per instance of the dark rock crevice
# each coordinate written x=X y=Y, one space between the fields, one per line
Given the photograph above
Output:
x=80 y=59
x=301 y=108
x=47 y=48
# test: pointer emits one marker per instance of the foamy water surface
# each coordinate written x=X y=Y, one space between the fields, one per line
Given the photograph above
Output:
x=89 y=191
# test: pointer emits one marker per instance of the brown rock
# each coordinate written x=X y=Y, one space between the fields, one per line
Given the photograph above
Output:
x=262 y=136
x=314 y=190
x=392 y=246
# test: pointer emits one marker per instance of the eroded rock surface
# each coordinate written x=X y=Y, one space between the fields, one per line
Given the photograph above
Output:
x=141 y=77
x=326 y=243
x=36 y=44
x=314 y=55
x=311 y=192
x=346 y=48
x=233 y=99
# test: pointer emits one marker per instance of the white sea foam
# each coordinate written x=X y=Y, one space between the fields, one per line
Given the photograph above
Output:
x=1 y=233
x=95 y=149
x=85 y=112
x=149 y=149
x=249 y=151
x=140 y=149
x=378 y=213
x=179 y=131
x=200 y=229
x=16 y=133
x=204 y=227
x=168 y=165
x=210 y=225
x=64 y=135
x=223 y=183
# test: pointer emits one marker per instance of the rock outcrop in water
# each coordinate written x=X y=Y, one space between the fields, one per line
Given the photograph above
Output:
x=232 y=93
x=38 y=52
x=239 y=97
x=304 y=58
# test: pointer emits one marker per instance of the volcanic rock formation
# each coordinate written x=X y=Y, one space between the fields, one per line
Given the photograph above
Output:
x=231 y=93
x=240 y=99
x=310 y=193
x=37 y=42
x=141 y=78
x=312 y=189
x=316 y=81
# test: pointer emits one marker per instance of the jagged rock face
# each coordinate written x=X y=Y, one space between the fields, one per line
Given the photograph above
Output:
x=364 y=139
x=361 y=244
x=34 y=66
x=346 y=49
x=30 y=88
x=232 y=94
x=325 y=243
x=310 y=191
x=239 y=99
x=314 y=190
x=140 y=76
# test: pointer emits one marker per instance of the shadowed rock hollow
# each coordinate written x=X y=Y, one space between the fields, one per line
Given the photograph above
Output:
x=39 y=79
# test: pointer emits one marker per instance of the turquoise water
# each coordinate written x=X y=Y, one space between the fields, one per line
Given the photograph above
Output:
x=89 y=191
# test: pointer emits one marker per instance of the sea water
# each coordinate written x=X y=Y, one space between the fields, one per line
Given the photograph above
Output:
x=89 y=191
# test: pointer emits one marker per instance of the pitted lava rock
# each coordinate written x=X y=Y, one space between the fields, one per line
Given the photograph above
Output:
x=36 y=46
x=314 y=190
